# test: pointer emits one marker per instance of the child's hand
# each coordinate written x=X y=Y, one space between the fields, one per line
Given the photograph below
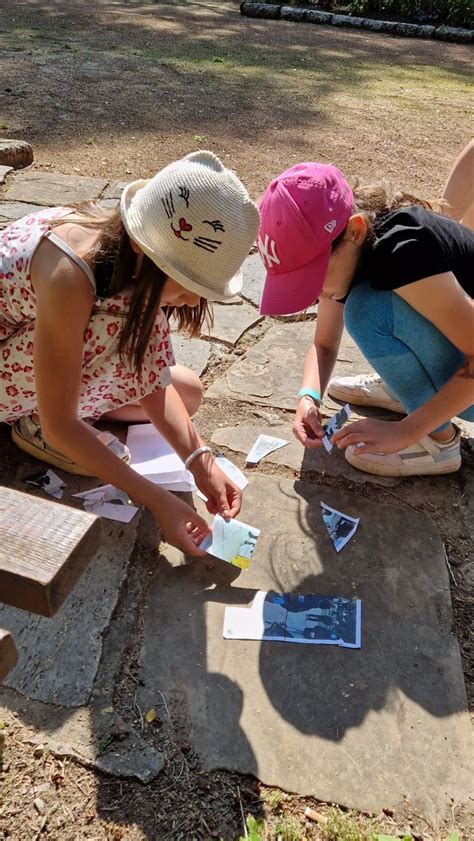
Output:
x=307 y=426
x=180 y=525
x=224 y=497
x=373 y=436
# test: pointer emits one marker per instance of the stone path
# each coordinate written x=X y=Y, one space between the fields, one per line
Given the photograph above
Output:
x=351 y=727
x=347 y=726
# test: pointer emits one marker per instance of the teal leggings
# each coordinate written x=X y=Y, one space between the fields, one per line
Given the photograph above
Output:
x=410 y=354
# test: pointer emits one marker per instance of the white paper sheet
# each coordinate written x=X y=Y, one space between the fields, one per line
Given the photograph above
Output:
x=153 y=457
x=108 y=502
x=264 y=445
x=47 y=481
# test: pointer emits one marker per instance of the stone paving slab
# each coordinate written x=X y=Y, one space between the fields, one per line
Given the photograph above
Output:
x=4 y=171
x=12 y=210
x=114 y=191
x=194 y=353
x=368 y=728
x=50 y=189
x=240 y=439
x=57 y=662
x=231 y=322
x=270 y=372
x=254 y=275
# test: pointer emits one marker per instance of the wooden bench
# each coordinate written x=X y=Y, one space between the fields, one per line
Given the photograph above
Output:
x=44 y=548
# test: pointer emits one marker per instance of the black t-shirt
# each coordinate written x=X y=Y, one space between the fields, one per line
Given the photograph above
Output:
x=413 y=243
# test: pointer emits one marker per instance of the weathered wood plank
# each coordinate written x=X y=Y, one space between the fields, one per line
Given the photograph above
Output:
x=44 y=549
x=8 y=653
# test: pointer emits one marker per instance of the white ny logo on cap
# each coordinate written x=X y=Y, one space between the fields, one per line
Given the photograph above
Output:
x=267 y=258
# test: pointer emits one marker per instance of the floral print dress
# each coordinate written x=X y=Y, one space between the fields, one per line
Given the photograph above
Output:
x=107 y=382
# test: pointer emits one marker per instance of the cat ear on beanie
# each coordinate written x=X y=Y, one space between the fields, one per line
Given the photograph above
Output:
x=196 y=221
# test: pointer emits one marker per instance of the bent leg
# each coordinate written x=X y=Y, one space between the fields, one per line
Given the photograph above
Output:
x=414 y=358
x=187 y=384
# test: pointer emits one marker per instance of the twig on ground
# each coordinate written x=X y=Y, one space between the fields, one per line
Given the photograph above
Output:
x=246 y=835
x=164 y=701
x=449 y=568
x=142 y=720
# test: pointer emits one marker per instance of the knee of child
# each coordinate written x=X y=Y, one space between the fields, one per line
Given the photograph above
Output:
x=193 y=392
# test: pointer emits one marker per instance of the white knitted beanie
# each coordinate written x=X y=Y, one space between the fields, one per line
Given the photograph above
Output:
x=196 y=221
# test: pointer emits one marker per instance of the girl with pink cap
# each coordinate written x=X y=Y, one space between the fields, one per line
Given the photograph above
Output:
x=400 y=277
x=85 y=297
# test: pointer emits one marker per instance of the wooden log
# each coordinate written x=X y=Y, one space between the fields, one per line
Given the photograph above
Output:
x=8 y=653
x=44 y=549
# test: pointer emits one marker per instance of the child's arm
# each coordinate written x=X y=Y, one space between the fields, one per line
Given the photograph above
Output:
x=64 y=305
x=318 y=366
x=441 y=300
x=459 y=188
x=168 y=414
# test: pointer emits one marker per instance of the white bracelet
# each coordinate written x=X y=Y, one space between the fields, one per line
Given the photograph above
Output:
x=195 y=454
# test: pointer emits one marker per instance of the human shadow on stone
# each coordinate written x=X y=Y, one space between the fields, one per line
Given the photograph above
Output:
x=407 y=642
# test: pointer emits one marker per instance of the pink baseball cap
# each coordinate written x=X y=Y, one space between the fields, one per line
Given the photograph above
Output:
x=301 y=213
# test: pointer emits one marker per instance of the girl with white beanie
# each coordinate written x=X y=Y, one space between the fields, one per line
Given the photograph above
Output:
x=85 y=294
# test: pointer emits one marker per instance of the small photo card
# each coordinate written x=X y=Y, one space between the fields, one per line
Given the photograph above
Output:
x=231 y=541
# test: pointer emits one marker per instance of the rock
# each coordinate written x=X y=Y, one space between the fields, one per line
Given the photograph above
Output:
x=410 y=30
x=426 y=31
x=231 y=322
x=292 y=13
x=12 y=210
x=15 y=153
x=194 y=353
x=115 y=190
x=270 y=372
x=38 y=803
x=240 y=439
x=347 y=20
x=452 y=33
x=260 y=10
x=59 y=662
x=251 y=705
x=51 y=189
x=4 y=170
x=313 y=16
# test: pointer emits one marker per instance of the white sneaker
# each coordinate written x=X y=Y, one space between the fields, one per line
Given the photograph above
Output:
x=426 y=457
x=364 y=390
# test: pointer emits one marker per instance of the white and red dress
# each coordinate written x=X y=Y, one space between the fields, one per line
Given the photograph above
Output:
x=107 y=383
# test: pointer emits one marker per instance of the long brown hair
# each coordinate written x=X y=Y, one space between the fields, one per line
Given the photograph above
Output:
x=113 y=252
x=375 y=200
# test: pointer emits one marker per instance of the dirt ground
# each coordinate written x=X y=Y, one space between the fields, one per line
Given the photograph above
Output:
x=118 y=89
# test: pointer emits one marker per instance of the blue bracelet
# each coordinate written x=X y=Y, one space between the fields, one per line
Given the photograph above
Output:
x=310 y=392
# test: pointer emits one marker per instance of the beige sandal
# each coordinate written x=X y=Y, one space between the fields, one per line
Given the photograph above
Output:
x=27 y=435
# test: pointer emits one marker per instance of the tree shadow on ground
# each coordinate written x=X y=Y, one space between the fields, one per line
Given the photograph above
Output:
x=80 y=72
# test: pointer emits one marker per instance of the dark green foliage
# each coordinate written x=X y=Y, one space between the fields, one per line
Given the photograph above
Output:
x=453 y=12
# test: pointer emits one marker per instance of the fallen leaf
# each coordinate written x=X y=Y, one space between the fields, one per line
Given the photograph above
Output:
x=150 y=715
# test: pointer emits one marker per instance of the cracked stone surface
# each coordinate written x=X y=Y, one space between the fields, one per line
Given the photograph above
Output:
x=270 y=372
x=49 y=188
x=320 y=720
x=231 y=322
x=12 y=210
x=240 y=439
x=194 y=353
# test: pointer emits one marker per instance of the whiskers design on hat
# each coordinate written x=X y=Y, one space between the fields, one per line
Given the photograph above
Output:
x=184 y=227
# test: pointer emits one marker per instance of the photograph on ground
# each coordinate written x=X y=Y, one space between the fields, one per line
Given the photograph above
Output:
x=340 y=526
x=286 y=617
